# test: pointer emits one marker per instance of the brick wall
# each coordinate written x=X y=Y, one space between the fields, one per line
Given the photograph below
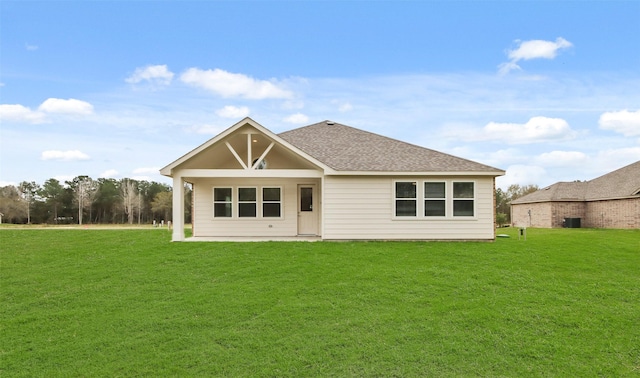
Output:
x=624 y=213
x=561 y=210
x=540 y=215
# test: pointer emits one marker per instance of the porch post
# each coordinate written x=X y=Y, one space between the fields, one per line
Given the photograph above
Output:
x=178 y=209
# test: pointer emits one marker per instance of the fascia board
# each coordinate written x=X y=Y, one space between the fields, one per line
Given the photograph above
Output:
x=422 y=173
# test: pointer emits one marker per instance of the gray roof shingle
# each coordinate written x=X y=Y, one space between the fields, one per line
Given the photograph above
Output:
x=621 y=183
x=344 y=148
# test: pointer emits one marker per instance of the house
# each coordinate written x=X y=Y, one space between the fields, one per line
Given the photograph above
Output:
x=329 y=181
x=609 y=201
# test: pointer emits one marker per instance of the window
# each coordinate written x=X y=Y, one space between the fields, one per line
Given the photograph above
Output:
x=222 y=202
x=434 y=199
x=406 y=199
x=247 y=202
x=271 y=203
x=463 y=199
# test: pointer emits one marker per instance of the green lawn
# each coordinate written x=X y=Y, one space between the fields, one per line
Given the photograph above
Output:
x=111 y=303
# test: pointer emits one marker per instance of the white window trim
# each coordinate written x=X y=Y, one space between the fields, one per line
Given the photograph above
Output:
x=420 y=197
x=453 y=199
x=281 y=202
x=235 y=203
x=396 y=199
x=213 y=197
x=256 y=202
x=445 y=199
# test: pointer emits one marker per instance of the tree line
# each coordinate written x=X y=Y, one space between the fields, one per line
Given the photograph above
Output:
x=84 y=200
x=504 y=198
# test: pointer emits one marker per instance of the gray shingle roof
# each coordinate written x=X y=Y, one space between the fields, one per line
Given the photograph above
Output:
x=560 y=191
x=621 y=183
x=344 y=148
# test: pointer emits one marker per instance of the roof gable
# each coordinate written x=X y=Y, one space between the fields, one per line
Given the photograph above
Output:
x=344 y=148
x=239 y=151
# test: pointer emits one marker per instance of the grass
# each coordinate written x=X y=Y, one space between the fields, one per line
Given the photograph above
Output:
x=130 y=303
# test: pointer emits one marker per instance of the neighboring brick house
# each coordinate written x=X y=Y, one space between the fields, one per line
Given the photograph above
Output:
x=609 y=201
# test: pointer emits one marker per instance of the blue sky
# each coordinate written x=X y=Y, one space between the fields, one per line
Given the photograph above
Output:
x=547 y=90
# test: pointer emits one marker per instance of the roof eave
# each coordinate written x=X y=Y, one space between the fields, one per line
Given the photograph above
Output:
x=413 y=173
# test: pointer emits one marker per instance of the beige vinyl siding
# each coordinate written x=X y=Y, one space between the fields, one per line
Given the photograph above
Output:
x=362 y=208
x=206 y=225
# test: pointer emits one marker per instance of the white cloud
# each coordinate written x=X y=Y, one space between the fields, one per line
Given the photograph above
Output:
x=70 y=106
x=612 y=159
x=297 y=118
x=537 y=48
x=522 y=175
x=227 y=84
x=233 y=112
x=20 y=113
x=562 y=159
x=71 y=155
x=147 y=170
x=30 y=47
x=109 y=173
x=537 y=129
x=534 y=49
x=158 y=74
x=624 y=122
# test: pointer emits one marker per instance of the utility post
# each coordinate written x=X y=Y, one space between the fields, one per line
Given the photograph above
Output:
x=139 y=207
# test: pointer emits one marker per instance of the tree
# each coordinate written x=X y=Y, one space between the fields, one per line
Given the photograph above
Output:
x=503 y=200
x=163 y=204
x=108 y=201
x=149 y=191
x=28 y=191
x=10 y=204
x=84 y=189
x=129 y=192
x=516 y=191
x=52 y=192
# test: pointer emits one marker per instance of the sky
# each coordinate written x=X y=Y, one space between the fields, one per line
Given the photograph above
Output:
x=546 y=90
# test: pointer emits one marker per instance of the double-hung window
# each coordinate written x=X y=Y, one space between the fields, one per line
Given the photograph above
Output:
x=463 y=199
x=406 y=199
x=435 y=201
x=271 y=202
x=247 y=202
x=222 y=202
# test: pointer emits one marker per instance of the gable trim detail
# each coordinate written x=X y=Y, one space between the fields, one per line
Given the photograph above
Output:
x=169 y=169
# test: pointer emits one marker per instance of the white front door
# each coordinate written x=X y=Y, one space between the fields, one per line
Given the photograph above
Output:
x=307 y=210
